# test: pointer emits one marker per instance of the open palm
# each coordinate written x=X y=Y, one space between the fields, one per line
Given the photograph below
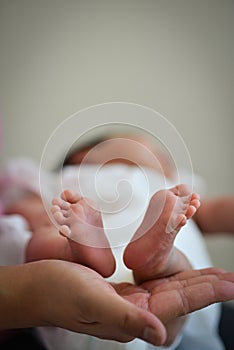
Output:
x=126 y=311
x=181 y=293
x=170 y=299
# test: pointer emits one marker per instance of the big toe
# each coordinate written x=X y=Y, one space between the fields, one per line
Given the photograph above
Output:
x=181 y=190
x=70 y=196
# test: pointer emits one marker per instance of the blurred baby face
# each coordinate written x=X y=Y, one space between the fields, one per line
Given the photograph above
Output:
x=133 y=150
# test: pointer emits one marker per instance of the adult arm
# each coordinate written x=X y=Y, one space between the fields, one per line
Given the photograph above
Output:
x=71 y=296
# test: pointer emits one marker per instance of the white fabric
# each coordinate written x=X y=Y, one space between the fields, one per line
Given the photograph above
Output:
x=134 y=187
x=14 y=236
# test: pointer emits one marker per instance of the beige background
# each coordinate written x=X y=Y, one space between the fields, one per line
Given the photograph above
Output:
x=176 y=56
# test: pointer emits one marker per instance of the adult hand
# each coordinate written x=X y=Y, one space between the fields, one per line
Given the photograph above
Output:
x=172 y=298
x=67 y=295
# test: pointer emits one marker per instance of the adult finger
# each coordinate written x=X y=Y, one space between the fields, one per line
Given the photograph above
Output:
x=172 y=303
x=125 y=321
x=182 y=278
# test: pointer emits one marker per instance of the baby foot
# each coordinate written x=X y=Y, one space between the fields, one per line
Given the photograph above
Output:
x=81 y=223
x=150 y=252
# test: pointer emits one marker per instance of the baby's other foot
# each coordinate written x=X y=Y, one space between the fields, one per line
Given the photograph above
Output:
x=150 y=252
x=81 y=223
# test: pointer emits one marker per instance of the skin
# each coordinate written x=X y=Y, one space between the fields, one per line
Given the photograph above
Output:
x=53 y=245
x=212 y=287
x=126 y=149
x=71 y=296
x=151 y=254
x=47 y=243
x=216 y=215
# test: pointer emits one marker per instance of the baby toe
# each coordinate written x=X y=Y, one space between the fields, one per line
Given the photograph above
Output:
x=195 y=196
x=70 y=196
x=58 y=201
x=67 y=212
x=191 y=211
x=181 y=190
x=58 y=216
x=175 y=223
x=195 y=203
x=180 y=221
x=54 y=209
x=65 y=230
x=64 y=205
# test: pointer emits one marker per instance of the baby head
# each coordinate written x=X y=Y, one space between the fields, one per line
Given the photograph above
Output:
x=130 y=149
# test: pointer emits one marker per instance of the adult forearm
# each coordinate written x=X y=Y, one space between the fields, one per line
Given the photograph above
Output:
x=19 y=304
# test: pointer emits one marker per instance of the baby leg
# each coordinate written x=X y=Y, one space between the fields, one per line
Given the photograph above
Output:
x=81 y=223
x=151 y=252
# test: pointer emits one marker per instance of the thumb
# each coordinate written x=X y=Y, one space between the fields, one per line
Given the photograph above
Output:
x=129 y=320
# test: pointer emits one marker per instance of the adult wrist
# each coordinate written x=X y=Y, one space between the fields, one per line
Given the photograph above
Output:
x=21 y=301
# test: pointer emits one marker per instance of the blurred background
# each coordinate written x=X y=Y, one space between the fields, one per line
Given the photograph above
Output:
x=176 y=57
